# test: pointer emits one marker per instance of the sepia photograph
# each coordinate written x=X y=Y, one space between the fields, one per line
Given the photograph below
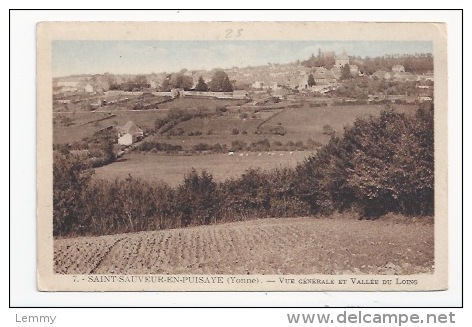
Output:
x=221 y=156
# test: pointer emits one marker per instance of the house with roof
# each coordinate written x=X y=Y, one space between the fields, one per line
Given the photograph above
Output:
x=280 y=93
x=324 y=76
x=354 y=70
x=129 y=133
x=424 y=97
x=408 y=77
x=303 y=83
x=398 y=69
x=425 y=77
x=88 y=88
x=382 y=74
x=257 y=85
x=341 y=60
x=336 y=72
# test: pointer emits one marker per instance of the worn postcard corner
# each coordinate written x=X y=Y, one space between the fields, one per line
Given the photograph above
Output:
x=242 y=156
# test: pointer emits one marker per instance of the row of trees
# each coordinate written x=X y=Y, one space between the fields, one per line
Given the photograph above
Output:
x=415 y=63
x=361 y=87
x=219 y=83
x=381 y=165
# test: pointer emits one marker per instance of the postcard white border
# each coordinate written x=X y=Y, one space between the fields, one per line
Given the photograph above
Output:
x=393 y=295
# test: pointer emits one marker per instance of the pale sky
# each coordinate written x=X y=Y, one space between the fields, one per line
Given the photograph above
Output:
x=145 y=57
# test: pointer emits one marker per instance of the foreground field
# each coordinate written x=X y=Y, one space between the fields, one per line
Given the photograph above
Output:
x=172 y=169
x=266 y=246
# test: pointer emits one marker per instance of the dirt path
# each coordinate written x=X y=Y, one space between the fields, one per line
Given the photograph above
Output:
x=107 y=259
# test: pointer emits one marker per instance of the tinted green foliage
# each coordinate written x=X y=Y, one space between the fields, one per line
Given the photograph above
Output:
x=220 y=82
x=201 y=85
x=71 y=177
x=381 y=165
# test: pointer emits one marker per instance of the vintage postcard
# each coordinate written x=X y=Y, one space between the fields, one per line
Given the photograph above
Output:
x=242 y=156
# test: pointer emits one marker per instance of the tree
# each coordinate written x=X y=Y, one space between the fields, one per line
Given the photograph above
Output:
x=311 y=80
x=201 y=85
x=177 y=81
x=345 y=72
x=71 y=177
x=197 y=198
x=227 y=86
x=166 y=86
x=140 y=81
x=181 y=81
x=220 y=82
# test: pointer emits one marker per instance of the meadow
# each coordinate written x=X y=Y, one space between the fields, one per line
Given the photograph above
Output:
x=203 y=102
x=301 y=125
x=85 y=123
x=309 y=122
x=389 y=245
x=172 y=168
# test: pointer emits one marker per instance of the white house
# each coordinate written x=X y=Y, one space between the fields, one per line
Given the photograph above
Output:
x=273 y=85
x=341 y=60
x=354 y=70
x=129 y=133
x=398 y=69
x=88 y=88
x=382 y=74
x=257 y=85
x=324 y=76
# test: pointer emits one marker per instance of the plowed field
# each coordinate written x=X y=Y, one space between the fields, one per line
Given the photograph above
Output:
x=266 y=246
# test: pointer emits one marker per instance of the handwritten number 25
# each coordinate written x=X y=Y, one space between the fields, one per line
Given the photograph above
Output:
x=232 y=34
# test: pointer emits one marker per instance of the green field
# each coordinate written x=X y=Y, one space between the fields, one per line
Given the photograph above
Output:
x=302 y=123
x=193 y=102
x=171 y=169
x=84 y=124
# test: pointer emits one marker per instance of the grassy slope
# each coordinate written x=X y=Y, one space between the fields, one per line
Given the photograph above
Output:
x=305 y=122
x=266 y=246
x=172 y=169
x=77 y=131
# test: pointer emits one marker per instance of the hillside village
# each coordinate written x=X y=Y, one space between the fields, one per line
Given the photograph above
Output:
x=127 y=109
x=278 y=80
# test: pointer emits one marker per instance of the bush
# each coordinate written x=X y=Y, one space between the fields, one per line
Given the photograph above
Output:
x=238 y=145
x=235 y=131
x=381 y=165
x=262 y=145
x=71 y=177
x=278 y=130
x=201 y=147
x=194 y=133
x=328 y=130
x=157 y=146
x=218 y=148
x=220 y=110
x=244 y=115
x=197 y=199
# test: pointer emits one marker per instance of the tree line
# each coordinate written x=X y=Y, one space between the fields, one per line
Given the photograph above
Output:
x=414 y=63
x=379 y=165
